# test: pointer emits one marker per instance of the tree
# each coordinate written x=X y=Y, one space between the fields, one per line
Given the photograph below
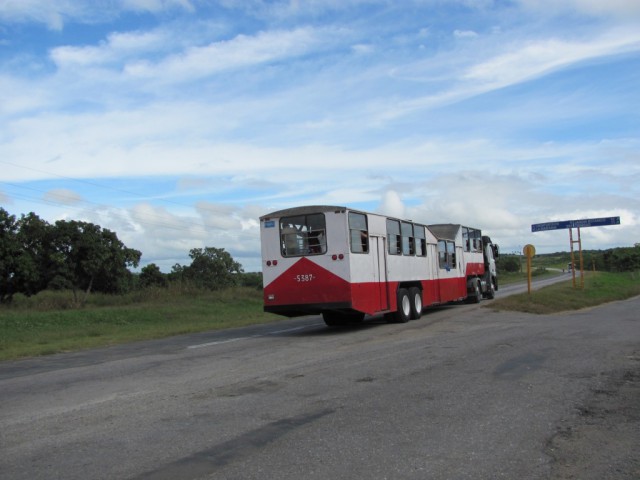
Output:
x=86 y=257
x=508 y=263
x=151 y=276
x=9 y=251
x=212 y=268
x=33 y=237
x=23 y=255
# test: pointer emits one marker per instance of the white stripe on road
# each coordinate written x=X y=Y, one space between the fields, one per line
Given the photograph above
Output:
x=275 y=332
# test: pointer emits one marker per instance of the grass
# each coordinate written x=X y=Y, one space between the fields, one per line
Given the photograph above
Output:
x=599 y=288
x=515 y=277
x=32 y=327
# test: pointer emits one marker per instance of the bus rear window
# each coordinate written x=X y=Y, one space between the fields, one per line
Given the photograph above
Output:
x=303 y=235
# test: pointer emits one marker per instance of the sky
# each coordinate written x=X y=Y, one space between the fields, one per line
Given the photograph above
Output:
x=178 y=123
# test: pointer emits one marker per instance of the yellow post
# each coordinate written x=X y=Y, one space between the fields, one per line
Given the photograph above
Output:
x=529 y=252
x=573 y=259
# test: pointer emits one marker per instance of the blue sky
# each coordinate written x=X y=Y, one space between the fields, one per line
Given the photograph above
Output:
x=177 y=123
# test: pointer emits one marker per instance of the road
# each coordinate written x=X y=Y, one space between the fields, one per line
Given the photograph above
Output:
x=463 y=393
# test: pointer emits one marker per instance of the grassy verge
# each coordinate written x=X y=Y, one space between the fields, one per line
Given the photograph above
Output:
x=515 y=277
x=599 y=288
x=32 y=327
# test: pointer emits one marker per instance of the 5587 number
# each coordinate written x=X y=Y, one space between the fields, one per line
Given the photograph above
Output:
x=310 y=277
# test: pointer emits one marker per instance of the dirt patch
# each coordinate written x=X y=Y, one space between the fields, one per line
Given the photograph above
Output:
x=603 y=440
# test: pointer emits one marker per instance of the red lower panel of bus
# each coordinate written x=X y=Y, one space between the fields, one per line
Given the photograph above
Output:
x=306 y=283
x=307 y=288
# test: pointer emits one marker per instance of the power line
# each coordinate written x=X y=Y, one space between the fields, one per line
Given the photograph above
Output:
x=149 y=221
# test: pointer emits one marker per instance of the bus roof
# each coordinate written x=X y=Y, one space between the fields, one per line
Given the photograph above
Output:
x=303 y=211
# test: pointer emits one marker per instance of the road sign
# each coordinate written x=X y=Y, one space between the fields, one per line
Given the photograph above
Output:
x=588 y=222
x=529 y=251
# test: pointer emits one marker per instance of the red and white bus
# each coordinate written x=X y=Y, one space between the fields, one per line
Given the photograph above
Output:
x=344 y=263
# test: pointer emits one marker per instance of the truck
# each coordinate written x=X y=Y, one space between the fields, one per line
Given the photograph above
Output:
x=344 y=264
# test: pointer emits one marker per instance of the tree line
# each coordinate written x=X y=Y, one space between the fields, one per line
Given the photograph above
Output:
x=83 y=257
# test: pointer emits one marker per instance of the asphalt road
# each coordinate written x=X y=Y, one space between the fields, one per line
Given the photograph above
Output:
x=463 y=393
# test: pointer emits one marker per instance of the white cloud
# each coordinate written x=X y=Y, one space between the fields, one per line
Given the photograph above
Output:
x=392 y=205
x=55 y=13
x=464 y=34
x=541 y=57
x=241 y=51
x=116 y=48
x=287 y=107
x=615 y=8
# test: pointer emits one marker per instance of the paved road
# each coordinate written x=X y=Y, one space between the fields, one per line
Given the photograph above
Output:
x=464 y=392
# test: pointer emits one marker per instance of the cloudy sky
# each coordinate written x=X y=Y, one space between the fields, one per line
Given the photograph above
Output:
x=177 y=123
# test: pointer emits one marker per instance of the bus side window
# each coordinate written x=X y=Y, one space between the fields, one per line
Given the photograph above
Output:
x=420 y=241
x=465 y=239
x=451 y=252
x=408 y=243
x=358 y=233
x=442 y=254
x=393 y=237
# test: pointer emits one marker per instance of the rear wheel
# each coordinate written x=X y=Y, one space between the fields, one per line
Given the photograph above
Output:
x=403 y=313
x=333 y=319
x=415 y=295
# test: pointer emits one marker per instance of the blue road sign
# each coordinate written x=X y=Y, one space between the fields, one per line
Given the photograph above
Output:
x=589 y=222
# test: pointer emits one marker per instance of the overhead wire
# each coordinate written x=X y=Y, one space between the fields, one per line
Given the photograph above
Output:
x=152 y=220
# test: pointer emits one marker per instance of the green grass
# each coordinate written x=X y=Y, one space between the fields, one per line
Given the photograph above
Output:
x=515 y=277
x=599 y=288
x=32 y=327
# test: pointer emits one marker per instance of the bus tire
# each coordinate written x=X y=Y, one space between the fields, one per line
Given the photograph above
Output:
x=403 y=313
x=476 y=294
x=415 y=294
x=333 y=319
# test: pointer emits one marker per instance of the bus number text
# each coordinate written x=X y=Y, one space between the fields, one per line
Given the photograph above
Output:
x=305 y=278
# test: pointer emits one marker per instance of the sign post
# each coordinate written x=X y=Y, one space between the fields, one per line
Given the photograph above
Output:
x=577 y=224
x=529 y=252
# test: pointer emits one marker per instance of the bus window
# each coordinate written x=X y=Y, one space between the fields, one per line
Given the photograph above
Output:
x=442 y=254
x=451 y=254
x=303 y=235
x=446 y=254
x=465 y=239
x=393 y=237
x=358 y=233
x=475 y=236
x=407 y=239
x=420 y=241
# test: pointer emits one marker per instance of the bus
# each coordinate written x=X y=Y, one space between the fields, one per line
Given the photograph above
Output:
x=344 y=263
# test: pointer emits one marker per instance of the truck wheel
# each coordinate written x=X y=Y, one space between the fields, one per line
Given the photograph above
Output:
x=416 y=302
x=476 y=295
x=491 y=291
